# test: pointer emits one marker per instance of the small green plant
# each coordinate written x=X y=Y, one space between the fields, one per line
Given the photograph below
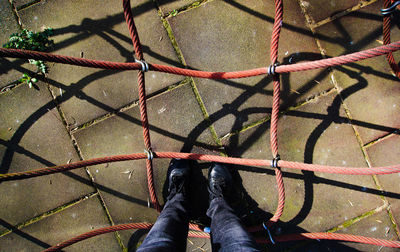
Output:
x=30 y=40
x=35 y=41
x=174 y=13
x=41 y=66
x=28 y=80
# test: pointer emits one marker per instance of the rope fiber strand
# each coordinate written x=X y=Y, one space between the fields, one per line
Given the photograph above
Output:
x=142 y=100
x=202 y=157
x=304 y=66
x=275 y=69
x=276 y=30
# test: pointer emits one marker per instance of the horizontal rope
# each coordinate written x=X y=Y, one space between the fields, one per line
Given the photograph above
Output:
x=333 y=236
x=87 y=235
x=203 y=157
x=199 y=234
x=345 y=59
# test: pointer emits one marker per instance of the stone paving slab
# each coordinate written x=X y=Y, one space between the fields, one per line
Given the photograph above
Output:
x=10 y=69
x=171 y=5
x=315 y=133
x=101 y=33
x=172 y=116
x=198 y=244
x=386 y=153
x=32 y=137
x=78 y=219
x=377 y=226
x=320 y=10
x=9 y=24
x=235 y=36
x=368 y=87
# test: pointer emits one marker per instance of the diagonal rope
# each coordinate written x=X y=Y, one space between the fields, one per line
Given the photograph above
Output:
x=142 y=101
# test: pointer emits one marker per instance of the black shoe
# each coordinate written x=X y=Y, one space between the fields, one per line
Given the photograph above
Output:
x=178 y=176
x=219 y=181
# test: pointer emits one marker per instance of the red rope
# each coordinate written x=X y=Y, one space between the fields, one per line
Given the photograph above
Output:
x=276 y=30
x=333 y=236
x=142 y=101
x=304 y=66
x=387 y=23
x=203 y=157
x=199 y=234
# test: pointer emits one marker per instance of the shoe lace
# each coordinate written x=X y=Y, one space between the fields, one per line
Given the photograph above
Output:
x=177 y=185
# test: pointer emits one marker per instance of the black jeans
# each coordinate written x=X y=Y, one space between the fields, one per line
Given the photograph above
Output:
x=169 y=233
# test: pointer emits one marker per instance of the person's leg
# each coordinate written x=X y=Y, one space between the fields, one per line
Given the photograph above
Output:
x=227 y=233
x=169 y=233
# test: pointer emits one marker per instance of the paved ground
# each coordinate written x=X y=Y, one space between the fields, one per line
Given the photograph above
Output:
x=346 y=116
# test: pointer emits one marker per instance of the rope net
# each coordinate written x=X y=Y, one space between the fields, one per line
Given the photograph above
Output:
x=274 y=69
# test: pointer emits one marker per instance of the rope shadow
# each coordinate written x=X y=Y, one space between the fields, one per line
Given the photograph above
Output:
x=350 y=47
x=24 y=235
x=309 y=177
x=45 y=108
x=90 y=27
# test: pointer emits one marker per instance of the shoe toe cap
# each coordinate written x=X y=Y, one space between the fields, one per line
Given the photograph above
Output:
x=220 y=171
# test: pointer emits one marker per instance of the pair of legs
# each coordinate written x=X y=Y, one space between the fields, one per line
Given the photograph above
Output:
x=169 y=233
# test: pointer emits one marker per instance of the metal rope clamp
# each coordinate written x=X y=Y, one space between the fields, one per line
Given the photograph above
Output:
x=391 y=9
x=274 y=161
x=145 y=66
x=149 y=153
x=272 y=67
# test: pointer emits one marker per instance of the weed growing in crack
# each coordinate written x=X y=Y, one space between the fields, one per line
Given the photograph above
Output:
x=34 y=41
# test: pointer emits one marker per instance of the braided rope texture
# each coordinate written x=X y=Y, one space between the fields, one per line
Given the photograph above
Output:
x=142 y=101
x=387 y=23
x=304 y=66
x=196 y=231
x=276 y=30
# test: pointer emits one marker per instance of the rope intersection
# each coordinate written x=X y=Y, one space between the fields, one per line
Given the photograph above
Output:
x=274 y=70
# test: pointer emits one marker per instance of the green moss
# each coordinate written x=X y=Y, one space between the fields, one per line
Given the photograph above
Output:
x=192 y=83
x=184 y=8
x=173 y=41
x=394 y=224
x=267 y=118
x=352 y=221
x=206 y=115
x=185 y=81
x=367 y=145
